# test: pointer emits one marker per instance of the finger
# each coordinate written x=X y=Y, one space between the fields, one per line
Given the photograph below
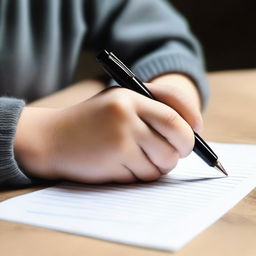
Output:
x=181 y=100
x=140 y=165
x=168 y=123
x=122 y=174
x=160 y=152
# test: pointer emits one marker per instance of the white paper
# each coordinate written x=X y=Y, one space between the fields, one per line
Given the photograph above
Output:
x=165 y=214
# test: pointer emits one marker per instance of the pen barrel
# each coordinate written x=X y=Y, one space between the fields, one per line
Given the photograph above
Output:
x=141 y=88
x=204 y=151
x=121 y=74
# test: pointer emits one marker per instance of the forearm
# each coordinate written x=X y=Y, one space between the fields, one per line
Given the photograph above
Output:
x=71 y=95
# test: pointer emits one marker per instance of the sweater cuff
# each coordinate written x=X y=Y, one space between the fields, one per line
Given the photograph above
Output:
x=152 y=66
x=10 y=173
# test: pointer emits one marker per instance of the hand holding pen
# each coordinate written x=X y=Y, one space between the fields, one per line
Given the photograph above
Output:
x=122 y=75
x=118 y=135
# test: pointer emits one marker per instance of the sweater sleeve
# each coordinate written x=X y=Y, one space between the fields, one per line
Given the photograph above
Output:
x=10 y=174
x=151 y=36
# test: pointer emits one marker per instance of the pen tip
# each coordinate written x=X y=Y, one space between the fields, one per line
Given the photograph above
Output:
x=219 y=167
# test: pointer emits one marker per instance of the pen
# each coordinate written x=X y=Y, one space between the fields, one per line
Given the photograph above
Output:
x=125 y=78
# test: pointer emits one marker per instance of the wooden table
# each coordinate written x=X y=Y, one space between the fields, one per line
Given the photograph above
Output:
x=230 y=117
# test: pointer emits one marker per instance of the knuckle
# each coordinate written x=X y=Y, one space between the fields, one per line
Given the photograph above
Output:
x=118 y=107
x=152 y=175
x=189 y=145
x=175 y=159
x=169 y=159
x=170 y=119
x=196 y=122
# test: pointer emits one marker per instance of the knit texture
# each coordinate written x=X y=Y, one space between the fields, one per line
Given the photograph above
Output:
x=10 y=173
x=148 y=68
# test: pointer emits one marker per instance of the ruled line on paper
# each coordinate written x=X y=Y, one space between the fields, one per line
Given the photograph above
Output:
x=155 y=214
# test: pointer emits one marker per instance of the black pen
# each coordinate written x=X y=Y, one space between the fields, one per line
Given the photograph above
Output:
x=125 y=78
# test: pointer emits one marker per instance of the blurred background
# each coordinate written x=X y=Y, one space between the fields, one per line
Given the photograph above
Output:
x=226 y=30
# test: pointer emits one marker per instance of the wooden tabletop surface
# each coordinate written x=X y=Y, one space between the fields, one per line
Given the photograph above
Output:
x=230 y=117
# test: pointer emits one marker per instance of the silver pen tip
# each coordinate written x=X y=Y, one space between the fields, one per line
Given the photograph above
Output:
x=219 y=167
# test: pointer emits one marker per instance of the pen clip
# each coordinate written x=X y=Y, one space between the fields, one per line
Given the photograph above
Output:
x=120 y=64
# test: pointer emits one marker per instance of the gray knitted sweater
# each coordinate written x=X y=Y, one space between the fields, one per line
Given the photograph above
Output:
x=40 y=42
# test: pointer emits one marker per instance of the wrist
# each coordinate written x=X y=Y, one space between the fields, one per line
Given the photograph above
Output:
x=33 y=146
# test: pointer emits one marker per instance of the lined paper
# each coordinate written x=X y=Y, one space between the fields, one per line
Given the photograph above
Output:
x=164 y=215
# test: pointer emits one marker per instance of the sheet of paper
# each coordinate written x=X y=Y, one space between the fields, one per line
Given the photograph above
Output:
x=165 y=214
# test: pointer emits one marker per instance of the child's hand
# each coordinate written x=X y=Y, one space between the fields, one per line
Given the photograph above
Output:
x=178 y=92
x=115 y=136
